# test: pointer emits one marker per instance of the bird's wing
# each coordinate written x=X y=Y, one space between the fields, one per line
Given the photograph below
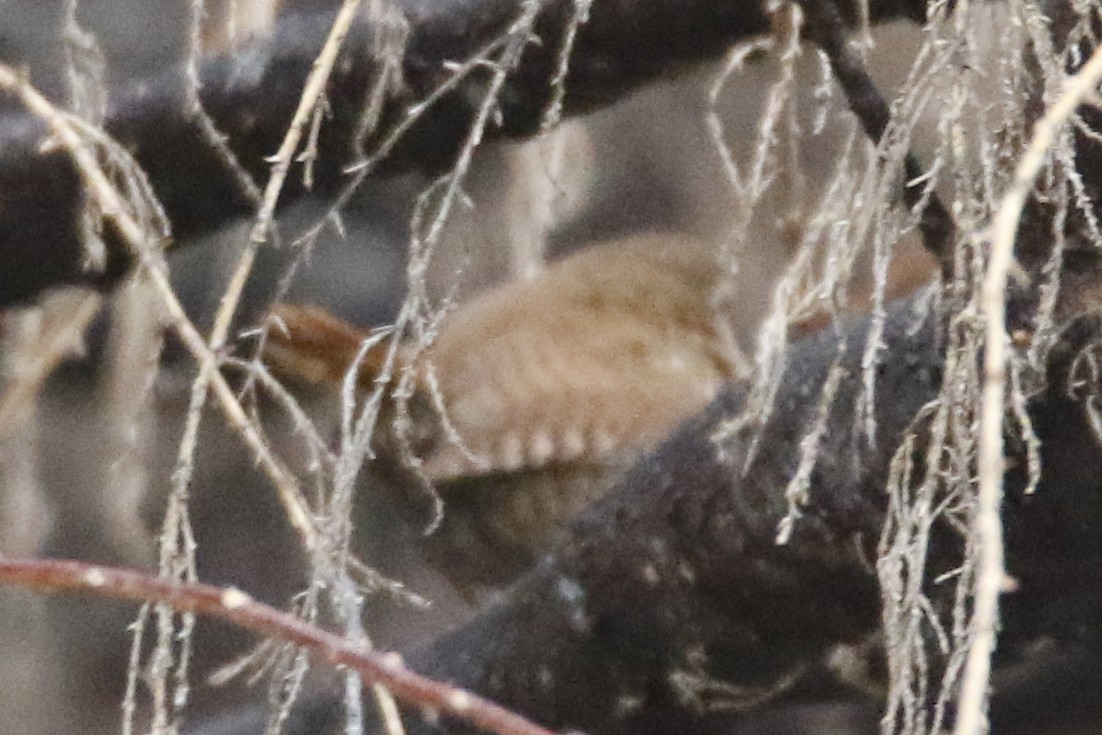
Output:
x=548 y=373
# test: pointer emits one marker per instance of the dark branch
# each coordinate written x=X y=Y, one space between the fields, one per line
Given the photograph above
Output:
x=679 y=575
x=826 y=27
x=625 y=44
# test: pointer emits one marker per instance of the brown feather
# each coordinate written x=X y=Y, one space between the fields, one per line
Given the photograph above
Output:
x=553 y=386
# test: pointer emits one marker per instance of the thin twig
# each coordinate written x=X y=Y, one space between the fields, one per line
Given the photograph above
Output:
x=311 y=94
x=553 y=114
x=827 y=29
x=987 y=525
x=359 y=171
x=116 y=213
x=238 y=608
x=215 y=138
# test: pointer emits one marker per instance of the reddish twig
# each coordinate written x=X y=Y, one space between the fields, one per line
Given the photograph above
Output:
x=239 y=608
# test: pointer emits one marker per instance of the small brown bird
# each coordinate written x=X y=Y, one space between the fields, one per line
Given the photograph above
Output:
x=553 y=386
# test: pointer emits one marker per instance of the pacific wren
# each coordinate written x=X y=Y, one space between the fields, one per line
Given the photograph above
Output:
x=553 y=386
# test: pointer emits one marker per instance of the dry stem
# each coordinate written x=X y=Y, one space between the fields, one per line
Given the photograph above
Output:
x=987 y=524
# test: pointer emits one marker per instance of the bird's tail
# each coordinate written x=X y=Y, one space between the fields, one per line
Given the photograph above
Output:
x=308 y=344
